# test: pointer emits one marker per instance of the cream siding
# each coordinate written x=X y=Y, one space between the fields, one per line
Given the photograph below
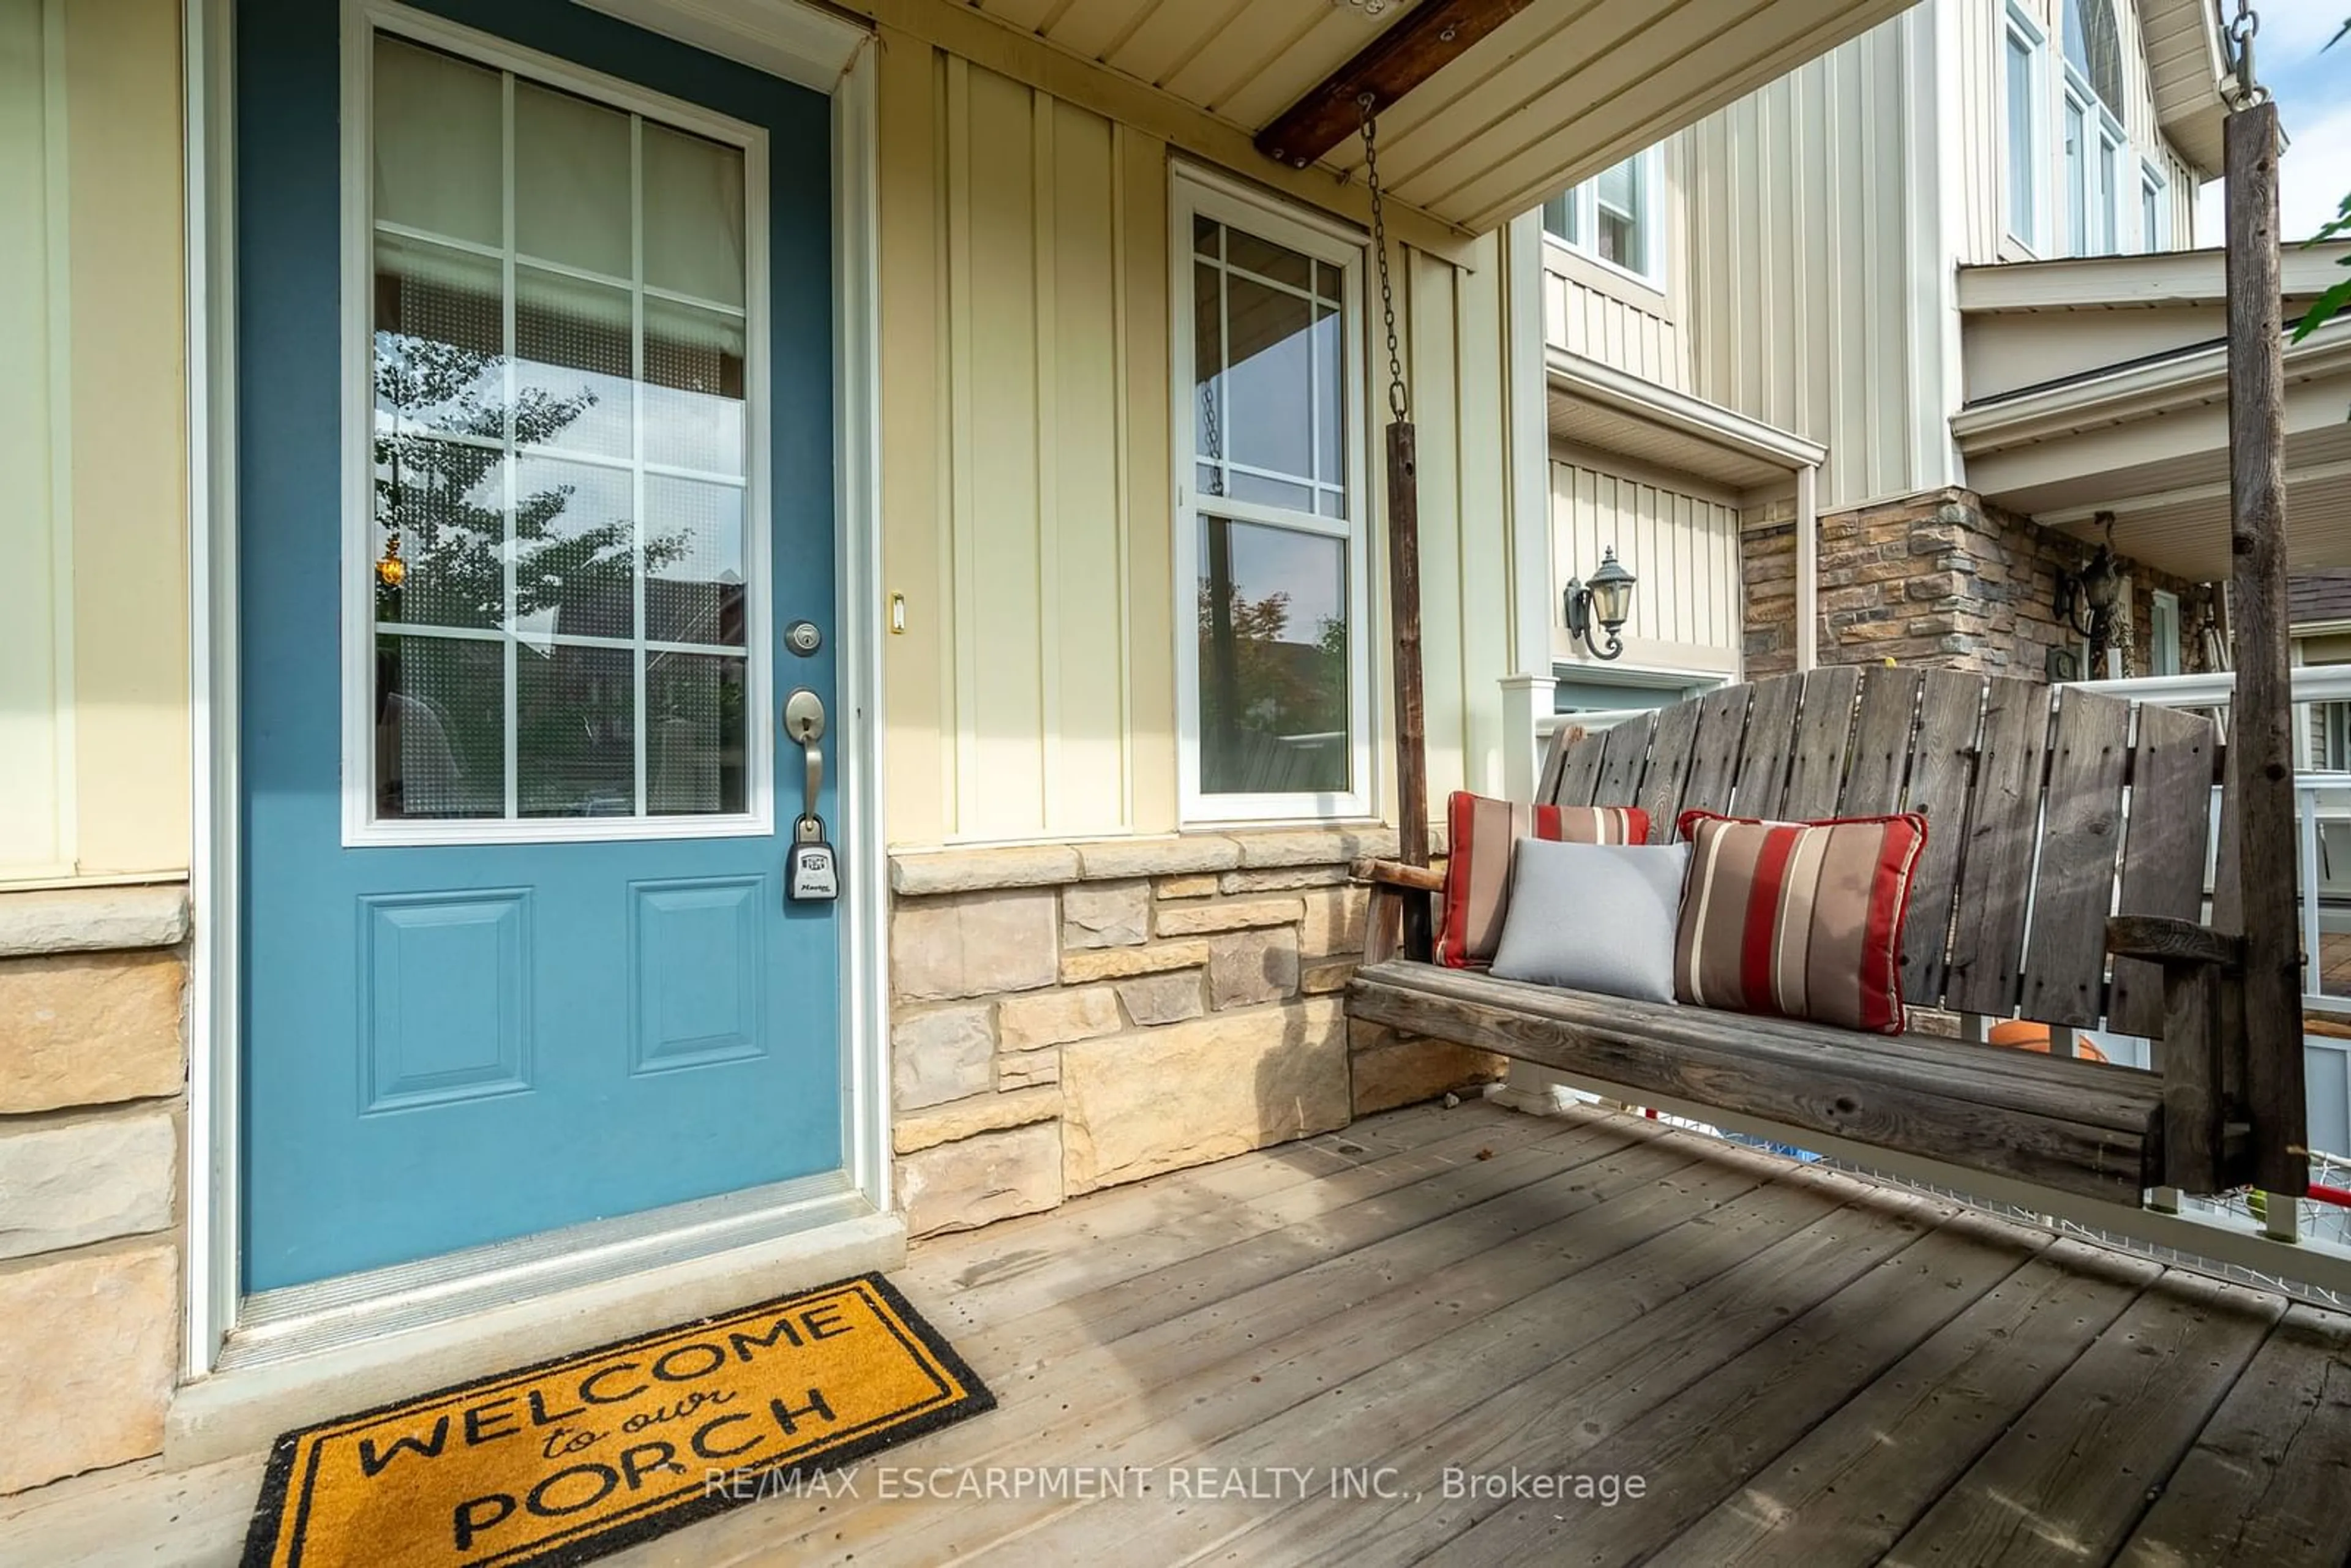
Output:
x=1028 y=505
x=1593 y=310
x=1802 y=265
x=1678 y=535
x=93 y=625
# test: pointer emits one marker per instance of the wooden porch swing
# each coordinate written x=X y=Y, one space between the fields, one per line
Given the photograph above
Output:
x=2047 y=810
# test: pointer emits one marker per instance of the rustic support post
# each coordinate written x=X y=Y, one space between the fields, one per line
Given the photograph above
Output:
x=1412 y=730
x=2261 y=742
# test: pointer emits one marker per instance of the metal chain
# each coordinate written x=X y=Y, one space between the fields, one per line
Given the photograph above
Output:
x=2241 y=29
x=1399 y=406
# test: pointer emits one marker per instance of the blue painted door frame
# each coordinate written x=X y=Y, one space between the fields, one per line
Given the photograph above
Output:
x=448 y=1046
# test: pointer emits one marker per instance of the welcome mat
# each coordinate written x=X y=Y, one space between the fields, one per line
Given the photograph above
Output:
x=568 y=1459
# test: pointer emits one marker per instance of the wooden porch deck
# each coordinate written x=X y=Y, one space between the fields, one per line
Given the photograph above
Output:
x=1798 y=1366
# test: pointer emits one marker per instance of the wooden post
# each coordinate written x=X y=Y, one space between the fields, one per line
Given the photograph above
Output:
x=2261 y=741
x=1412 y=736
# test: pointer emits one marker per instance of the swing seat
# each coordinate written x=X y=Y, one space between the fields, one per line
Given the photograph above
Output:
x=2047 y=809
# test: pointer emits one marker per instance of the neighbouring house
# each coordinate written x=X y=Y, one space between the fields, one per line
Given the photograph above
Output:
x=1861 y=366
x=497 y=492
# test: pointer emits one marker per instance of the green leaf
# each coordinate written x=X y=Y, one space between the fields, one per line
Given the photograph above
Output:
x=2329 y=305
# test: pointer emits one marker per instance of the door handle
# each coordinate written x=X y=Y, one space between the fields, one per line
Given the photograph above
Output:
x=804 y=722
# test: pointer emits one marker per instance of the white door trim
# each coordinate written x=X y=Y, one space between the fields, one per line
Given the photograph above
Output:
x=784 y=38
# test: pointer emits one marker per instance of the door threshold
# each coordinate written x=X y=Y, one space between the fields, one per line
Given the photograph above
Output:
x=310 y=1353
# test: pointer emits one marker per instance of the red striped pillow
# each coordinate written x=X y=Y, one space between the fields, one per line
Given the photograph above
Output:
x=1483 y=835
x=1797 y=919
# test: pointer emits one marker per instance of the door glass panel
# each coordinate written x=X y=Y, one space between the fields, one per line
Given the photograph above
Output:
x=1273 y=659
x=572 y=182
x=438 y=144
x=693 y=215
x=576 y=751
x=693 y=388
x=560 y=460
x=440 y=727
x=574 y=373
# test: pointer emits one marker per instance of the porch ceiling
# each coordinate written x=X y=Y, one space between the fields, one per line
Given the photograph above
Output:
x=1555 y=93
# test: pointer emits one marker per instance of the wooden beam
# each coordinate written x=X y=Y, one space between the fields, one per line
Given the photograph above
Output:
x=1413 y=49
x=1412 y=728
x=2261 y=722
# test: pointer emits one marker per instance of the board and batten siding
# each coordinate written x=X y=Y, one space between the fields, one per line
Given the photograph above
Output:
x=1680 y=539
x=1802 y=265
x=1028 y=506
x=94 y=760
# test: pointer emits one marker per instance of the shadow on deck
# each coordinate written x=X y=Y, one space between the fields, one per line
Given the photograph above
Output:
x=1472 y=1336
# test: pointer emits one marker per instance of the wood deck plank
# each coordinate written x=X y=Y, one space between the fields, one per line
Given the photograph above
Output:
x=2068 y=1483
x=1852 y=1485
x=1706 y=1440
x=1224 y=1368
x=1358 y=1420
x=1559 y=1409
x=2270 y=1480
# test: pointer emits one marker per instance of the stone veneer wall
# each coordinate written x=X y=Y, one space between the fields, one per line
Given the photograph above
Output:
x=92 y=1110
x=1943 y=579
x=1071 y=1016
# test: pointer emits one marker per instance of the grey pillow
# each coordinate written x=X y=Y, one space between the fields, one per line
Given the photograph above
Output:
x=1593 y=917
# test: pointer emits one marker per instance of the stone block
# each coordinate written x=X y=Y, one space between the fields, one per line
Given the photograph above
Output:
x=1163 y=999
x=1248 y=968
x=1323 y=979
x=972 y=871
x=1201 y=886
x=1282 y=880
x=1055 y=1017
x=78 y=1182
x=973 y=1181
x=92 y=920
x=1119 y=963
x=969 y=1118
x=1316 y=846
x=1239 y=914
x=90 y=1345
x=974 y=945
x=89 y=1030
x=1159 y=1099
x=1027 y=1069
x=1405 y=1071
x=1167 y=856
x=940 y=1055
x=1105 y=915
x=1334 y=921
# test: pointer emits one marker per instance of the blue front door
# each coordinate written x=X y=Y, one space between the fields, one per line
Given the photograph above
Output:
x=535 y=367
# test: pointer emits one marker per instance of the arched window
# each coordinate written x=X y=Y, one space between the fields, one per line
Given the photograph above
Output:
x=2093 y=48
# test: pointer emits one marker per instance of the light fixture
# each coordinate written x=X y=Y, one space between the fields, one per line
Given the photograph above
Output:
x=2086 y=598
x=1606 y=599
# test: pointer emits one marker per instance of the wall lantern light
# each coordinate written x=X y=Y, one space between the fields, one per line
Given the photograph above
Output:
x=2086 y=598
x=1606 y=599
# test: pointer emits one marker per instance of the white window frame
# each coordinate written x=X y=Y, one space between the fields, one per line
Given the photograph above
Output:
x=2021 y=29
x=2154 y=201
x=1194 y=192
x=361 y=825
x=2163 y=632
x=2092 y=230
x=1583 y=211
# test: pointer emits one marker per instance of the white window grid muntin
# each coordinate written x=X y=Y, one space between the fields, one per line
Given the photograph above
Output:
x=363 y=20
x=2032 y=117
x=1226 y=270
x=1583 y=208
x=1191 y=194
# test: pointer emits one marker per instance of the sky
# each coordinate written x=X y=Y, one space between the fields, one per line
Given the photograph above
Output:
x=2314 y=96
